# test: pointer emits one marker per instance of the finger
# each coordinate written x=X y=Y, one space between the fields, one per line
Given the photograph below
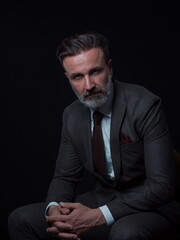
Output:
x=53 y=230
x=60 y=218
x=68 y=236
x=60 y=227
x=63 y=227
x=69 y=205
x=65 y=211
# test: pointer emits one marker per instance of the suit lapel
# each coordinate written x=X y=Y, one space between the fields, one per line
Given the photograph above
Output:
x=119 y=107
x=85 y=132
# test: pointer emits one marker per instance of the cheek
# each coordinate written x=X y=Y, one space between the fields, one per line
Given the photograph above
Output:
x=77 y=87
x=102 y=81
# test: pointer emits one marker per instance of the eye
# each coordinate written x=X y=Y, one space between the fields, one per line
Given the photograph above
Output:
x=76 y=77
x=95 y=71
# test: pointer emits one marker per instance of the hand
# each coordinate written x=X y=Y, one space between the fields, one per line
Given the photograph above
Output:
x=56 y=210
x=81 y=219
x=63 y=230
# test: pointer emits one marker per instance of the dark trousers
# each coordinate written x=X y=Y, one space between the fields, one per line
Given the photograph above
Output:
x=28 y=223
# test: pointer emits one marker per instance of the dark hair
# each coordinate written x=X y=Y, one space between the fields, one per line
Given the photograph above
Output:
x=82 y=42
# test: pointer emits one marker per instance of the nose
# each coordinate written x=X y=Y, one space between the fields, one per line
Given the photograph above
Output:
x=88 y=83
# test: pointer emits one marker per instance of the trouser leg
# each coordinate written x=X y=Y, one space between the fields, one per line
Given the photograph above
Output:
x=28 y=223
x=143 y=226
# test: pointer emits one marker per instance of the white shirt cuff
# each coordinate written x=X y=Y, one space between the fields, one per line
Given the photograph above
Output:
x=50 y=204
x=107 y=214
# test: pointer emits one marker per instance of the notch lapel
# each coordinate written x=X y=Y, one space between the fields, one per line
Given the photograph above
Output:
x=85 y=133
x=118 y=111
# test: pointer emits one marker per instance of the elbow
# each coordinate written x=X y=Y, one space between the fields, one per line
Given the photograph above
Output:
x=164 y=194
x=161 y=193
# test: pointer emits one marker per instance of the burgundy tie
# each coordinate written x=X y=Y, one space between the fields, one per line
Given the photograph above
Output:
x=98 y=144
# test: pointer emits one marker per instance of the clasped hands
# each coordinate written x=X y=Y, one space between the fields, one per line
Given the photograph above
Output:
x=72 y=220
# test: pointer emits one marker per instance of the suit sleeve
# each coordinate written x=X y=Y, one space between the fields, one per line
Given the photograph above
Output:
x=158 y=187
x=68 y=170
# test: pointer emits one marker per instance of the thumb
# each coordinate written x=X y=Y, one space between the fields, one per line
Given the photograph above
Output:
x=68 y=205
x=65 y=211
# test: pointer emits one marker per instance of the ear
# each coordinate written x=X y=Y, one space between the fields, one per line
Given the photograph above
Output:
x=110 y=66
x=110 y=63
x=66 y=75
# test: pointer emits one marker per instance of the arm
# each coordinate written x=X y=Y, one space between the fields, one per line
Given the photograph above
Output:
x=68 y=169
x=67 y=174
x=158 y=187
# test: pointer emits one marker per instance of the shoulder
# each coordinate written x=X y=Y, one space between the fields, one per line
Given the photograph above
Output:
x=74 y=107
x=134 y=93
x=75 y=112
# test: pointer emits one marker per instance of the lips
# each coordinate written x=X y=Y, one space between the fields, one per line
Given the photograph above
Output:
x=94 y=95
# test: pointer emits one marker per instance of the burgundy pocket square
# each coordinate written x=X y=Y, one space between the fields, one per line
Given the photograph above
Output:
x=124 y=139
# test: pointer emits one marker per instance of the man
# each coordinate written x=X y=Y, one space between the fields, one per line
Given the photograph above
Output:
x=134 y=193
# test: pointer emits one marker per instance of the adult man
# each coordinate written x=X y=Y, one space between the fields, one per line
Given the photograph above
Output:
x=133 y=198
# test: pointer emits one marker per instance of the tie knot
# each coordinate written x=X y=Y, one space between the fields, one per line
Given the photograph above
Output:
x=97 y=116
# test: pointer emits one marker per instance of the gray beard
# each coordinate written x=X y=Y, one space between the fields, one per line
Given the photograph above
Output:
x=96 y=101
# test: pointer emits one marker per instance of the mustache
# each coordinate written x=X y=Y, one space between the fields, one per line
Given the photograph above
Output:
x=93 y=91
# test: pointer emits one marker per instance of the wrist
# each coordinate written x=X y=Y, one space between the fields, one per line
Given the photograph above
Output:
x=51 y=210
x=99 y=217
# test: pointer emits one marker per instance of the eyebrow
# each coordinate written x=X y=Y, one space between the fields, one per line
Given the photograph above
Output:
x=75 y=74
x=90 y=71
x=96 y=68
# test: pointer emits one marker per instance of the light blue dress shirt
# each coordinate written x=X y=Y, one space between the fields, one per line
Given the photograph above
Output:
x=105 y=124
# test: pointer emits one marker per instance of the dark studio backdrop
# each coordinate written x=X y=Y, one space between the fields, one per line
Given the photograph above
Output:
x=144 y=43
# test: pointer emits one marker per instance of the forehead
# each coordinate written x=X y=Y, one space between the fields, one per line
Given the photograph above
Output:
x=84 y=61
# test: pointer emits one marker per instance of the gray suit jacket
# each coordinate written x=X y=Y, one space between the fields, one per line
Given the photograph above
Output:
x=143 y=164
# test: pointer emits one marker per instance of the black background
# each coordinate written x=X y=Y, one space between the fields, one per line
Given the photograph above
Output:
x=144 y=44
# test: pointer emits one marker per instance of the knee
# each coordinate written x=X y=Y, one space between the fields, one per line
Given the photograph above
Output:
x=127 y=233
x=17 y=220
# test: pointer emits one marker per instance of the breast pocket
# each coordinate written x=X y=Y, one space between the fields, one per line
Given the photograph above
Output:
x=132 y=162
